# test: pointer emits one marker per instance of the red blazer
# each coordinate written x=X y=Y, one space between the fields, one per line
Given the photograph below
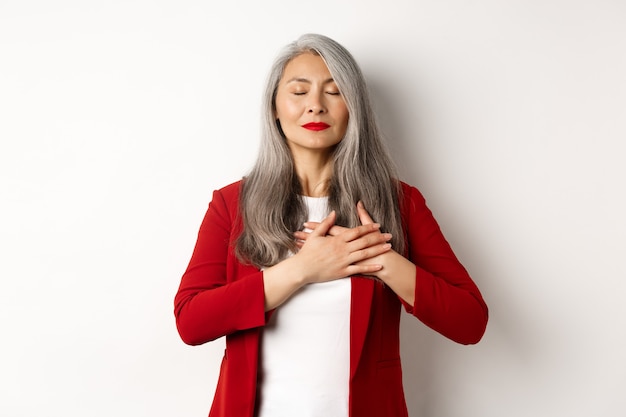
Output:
x=220 y=296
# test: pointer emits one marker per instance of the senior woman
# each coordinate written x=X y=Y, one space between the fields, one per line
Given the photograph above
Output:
x=305 y=264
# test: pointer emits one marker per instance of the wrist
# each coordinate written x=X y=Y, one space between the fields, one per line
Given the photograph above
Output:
x=292 y=272
x=392 y=263
x=280 y=282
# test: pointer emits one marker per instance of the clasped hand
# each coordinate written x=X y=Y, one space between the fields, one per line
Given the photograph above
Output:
x=331 y=252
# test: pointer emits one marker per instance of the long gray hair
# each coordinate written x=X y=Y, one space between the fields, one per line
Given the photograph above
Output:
x=270 y=199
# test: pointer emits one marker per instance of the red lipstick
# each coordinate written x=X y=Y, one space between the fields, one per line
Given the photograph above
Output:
x=317 y=126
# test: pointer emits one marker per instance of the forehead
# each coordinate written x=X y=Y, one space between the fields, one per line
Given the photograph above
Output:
x=306 y=67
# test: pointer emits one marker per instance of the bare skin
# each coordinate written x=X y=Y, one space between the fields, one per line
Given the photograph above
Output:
x=307 y=93
x=326 y=257
x=397 y=272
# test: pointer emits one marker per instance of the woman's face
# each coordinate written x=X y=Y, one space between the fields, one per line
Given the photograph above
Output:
x=311 y=111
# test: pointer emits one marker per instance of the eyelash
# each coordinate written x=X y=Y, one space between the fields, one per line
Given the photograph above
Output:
x=332 y=93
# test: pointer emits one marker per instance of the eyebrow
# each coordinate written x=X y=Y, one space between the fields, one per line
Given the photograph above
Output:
x=306 y=80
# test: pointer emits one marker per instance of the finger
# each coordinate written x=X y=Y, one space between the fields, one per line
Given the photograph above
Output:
x=337 y=230
x=369 y=240
x=324 y=226
x=349 y=235
x=376 y=262
x=301 y=235
x=311 y=225
x=363 y=269
x=334 y=231
x=364 y=216
x=369 y=252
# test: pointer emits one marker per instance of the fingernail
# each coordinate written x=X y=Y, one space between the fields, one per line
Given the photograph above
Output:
x=387 y=246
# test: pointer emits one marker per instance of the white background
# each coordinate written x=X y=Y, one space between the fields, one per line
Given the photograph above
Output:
x=118 y=119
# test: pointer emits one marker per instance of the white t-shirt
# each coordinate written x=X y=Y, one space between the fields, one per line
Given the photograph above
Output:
x=305 y=348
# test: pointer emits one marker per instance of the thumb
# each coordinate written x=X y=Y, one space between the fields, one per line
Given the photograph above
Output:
x=363 y=214
x=325 y=225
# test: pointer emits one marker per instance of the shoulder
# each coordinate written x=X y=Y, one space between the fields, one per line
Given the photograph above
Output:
x=226 y=198
x=230 y=191
x=410 y=195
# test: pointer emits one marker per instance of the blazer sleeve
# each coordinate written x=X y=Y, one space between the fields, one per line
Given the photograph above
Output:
x=217 y=295
x=446 y=298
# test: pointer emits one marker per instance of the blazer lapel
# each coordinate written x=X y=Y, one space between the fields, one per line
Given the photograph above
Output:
x=360 y=307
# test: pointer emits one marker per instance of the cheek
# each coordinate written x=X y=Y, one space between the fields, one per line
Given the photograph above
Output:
x=286 y=107
x=285 y=110
x=344 y=116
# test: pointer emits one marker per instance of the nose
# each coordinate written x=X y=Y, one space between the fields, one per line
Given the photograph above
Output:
x=316 y=104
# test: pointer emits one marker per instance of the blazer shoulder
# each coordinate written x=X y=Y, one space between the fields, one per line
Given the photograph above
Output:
x=229 y=193
x=231 y=190
x=410 y=194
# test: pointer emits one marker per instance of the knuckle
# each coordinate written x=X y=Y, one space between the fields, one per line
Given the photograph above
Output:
x=373 y=239
x=379 y=237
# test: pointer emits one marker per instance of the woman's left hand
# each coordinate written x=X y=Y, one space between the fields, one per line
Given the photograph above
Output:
x=364 y=217
x=397 y=272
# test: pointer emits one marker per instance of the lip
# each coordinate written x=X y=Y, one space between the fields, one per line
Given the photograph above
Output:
x=317 y=126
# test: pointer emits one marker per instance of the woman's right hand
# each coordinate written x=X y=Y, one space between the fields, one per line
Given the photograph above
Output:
x=324 y=257
x=331 y=256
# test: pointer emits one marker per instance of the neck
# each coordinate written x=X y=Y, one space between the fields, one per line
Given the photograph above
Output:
x=314 y=172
